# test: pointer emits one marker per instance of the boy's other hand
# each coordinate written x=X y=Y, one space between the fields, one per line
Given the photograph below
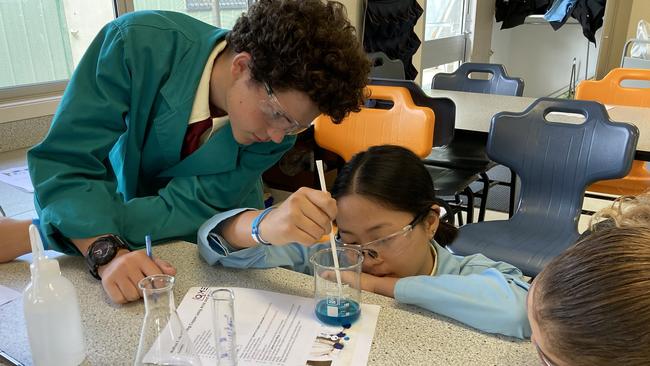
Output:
x=120 y=277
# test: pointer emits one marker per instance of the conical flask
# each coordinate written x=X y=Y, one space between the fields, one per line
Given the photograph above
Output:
x=163 y=340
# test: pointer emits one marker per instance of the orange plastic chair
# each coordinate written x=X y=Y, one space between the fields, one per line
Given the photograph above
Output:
x=609 y=91
x=404 y=124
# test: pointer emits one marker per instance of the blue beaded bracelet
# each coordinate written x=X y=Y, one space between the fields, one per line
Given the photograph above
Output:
x=255 y=227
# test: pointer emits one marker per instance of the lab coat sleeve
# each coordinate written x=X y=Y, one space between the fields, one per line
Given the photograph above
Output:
x=216 y=250
x=73 y=188
x=488 y=300
x=76 y=191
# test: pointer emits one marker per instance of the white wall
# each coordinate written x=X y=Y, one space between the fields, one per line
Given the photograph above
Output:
x=354 y=9
x=543 y=57
x=640 y=10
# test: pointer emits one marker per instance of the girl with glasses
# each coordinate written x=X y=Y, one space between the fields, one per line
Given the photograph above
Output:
x=386 y=207
x=591 y=304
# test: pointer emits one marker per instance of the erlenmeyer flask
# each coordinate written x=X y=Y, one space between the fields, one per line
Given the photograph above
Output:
x=163 y=340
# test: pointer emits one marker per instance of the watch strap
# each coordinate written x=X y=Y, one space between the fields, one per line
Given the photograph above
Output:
x=118 y=243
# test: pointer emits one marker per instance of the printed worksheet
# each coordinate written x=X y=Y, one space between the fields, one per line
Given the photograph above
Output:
x=277 y=329
x=270 y=328
x=17 y=177
x=8 y=295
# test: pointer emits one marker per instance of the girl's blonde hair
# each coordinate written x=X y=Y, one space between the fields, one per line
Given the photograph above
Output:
x=626 y=211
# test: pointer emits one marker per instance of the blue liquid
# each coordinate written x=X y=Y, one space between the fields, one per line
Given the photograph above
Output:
x=348 y=312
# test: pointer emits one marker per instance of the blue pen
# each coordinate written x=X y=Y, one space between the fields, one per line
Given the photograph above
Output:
x=147 y=243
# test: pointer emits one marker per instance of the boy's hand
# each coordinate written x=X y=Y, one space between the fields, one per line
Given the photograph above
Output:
x=120 y=277
x=304 y=217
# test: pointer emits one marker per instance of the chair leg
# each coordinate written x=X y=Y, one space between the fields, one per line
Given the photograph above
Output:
x=459 y=212
x=513 y=191
x=470 y=204
x=484 y=195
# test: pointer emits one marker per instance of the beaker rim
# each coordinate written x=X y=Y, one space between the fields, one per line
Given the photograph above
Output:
x=359 y=261
x=167 y=280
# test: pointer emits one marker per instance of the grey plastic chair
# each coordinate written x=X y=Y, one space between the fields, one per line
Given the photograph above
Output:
x=467 y=150
x=384 y=67
x=499 y=83
x=555 y=161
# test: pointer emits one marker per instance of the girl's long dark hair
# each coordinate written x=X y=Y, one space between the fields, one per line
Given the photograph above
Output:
x=396 y=178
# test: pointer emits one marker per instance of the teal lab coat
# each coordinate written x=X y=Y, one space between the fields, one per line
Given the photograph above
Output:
x=111 y=160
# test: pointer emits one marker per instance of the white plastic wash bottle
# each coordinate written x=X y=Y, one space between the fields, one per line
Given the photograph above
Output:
x=51 y=312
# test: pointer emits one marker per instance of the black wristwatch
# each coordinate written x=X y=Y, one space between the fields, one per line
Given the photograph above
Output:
x=102 y=251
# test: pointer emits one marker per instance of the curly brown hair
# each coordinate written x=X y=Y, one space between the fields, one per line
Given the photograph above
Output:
x=305 y=45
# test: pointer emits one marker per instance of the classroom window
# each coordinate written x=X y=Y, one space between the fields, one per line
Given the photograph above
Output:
x=220 y=13
x=445 y=36
x=444 y=18
x=42 y=40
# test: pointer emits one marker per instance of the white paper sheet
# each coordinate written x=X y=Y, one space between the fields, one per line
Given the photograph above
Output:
x=271 y=328
x=17 y=177
x=276 y=329
x=7 y=295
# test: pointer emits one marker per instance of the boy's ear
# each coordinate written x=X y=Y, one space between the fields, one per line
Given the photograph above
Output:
x=239 y=64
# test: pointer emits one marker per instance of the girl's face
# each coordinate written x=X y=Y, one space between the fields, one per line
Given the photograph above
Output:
x=403 y=253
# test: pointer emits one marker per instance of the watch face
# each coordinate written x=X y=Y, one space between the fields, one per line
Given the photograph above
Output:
x=102 y=252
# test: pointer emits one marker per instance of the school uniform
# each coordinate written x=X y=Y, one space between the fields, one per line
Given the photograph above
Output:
x=475 y=290
x=111 y=162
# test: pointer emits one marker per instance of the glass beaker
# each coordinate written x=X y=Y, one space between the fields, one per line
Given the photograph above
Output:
x=163 y=340
x=336 y=306
x=223 y=310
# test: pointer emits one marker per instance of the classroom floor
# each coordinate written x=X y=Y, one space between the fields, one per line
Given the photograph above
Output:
x=19 y=204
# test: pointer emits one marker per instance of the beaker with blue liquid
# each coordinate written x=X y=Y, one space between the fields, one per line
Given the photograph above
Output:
x=337 y=305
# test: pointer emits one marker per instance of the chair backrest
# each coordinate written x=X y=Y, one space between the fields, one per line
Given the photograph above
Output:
x=404 y=124
x=499 y=82
x=556 y=161
x=443 y=108
x=609 y=90
x=384 y=67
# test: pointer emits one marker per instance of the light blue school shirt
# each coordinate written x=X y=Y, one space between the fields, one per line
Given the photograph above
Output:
x=475 y=290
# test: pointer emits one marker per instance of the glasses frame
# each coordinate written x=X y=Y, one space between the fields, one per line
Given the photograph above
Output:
x=542 y=356
x=294 y=127
x=372 y=253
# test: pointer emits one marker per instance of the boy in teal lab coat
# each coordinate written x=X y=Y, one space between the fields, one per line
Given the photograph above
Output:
x=167 y=121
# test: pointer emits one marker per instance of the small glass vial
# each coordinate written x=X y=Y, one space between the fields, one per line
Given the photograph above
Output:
x=223 y=310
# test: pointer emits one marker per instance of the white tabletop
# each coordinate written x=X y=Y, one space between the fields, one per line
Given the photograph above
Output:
x=474 y=112
x=405 y=335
